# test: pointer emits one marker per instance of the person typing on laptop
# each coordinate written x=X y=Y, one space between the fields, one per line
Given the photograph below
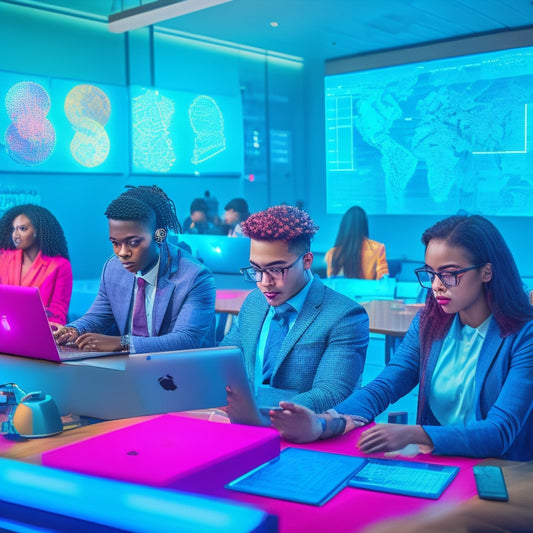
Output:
x=301 y=340
x=153 y=296
x=34 y=253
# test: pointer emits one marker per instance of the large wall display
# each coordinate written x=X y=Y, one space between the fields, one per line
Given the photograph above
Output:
x=52 y=125
x=433 y=137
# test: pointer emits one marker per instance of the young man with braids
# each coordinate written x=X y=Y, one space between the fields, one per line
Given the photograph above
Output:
x=320 y=359
x=153 y=296
x=34 y=253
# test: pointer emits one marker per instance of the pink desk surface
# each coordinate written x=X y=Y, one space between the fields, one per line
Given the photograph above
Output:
x=353 y=509
x=349 y=511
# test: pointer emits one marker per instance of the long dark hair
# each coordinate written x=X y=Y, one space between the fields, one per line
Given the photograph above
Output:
x=49 y=232
x=353 y=230
x=505 y=292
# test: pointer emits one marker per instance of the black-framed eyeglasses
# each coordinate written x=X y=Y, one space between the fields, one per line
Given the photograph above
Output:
x=255 y=275
x=449 y=278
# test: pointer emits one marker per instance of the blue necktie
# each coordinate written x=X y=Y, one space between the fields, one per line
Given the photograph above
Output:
x=279 y=327
x=139 y=325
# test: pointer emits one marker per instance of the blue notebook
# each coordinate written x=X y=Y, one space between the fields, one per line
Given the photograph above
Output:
x=313 y=477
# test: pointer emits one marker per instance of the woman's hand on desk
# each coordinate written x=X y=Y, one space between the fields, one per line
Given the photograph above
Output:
x=391 y=437
x=96 y=342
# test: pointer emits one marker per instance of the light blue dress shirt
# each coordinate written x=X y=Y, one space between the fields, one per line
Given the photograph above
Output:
x=453 y=383
x=297 y=302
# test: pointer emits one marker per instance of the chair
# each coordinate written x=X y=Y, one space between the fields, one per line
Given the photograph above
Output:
x=363 y=289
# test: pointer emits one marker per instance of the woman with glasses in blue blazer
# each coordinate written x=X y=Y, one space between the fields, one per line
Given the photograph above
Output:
x=470 y=350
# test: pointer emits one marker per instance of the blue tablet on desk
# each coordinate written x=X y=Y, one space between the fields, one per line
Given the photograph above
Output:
x=410 y=478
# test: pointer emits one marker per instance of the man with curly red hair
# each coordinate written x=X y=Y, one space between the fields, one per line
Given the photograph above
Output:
x=316 y=354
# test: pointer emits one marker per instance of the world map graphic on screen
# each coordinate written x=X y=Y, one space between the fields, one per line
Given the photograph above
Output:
x=433 y=137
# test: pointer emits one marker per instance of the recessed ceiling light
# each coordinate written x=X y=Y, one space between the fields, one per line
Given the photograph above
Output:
x=274 y=24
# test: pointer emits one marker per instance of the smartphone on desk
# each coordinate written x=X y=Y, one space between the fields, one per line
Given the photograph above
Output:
x=490 y=483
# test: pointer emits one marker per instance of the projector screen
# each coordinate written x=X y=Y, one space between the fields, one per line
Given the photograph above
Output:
x=433 y=137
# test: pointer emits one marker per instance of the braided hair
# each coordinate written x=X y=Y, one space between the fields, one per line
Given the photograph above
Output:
x=145 y=203
x=50 y=236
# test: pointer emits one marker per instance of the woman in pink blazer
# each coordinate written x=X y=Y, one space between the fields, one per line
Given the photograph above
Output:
x=34 y=253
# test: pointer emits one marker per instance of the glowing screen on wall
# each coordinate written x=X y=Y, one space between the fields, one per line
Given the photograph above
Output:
x=88 y=109
x=151 y=118
x=433 y=137
x=30 y=138
x=207 y=123
x=185 y=133
x=56 y=125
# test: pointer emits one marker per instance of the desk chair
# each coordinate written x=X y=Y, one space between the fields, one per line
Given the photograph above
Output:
x=363 y=289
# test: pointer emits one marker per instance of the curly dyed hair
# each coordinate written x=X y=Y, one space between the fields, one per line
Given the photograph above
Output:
x=281 y=223
x=145 y=204
x=49 y=232
x=483 y=243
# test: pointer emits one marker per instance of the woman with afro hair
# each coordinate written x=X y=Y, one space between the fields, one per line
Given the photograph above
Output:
x=34 y=253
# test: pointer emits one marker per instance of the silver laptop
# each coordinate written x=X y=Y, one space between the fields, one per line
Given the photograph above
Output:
x=138 y=384
x=25 y=330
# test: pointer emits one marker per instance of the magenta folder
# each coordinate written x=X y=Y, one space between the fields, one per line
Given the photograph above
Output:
x=171 y=451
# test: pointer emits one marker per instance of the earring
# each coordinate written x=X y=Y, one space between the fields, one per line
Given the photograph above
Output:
x=160 y=235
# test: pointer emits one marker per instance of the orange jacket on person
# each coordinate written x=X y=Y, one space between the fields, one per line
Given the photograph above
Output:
x=373 y=260
x=52 y=275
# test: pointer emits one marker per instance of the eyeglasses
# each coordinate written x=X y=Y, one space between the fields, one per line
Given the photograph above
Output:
x=449 y=278
x=255 y=275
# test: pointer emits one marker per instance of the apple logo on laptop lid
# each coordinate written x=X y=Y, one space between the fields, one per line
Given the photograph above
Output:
x=167 y=382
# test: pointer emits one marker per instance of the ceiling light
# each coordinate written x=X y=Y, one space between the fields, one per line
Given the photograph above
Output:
x=154 y=12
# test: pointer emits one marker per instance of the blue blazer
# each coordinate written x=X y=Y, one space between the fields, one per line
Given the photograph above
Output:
x=320 y=361
x=184 y=305
x=503 y=396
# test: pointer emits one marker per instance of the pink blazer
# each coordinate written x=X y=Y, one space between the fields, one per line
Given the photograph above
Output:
x=52 y=275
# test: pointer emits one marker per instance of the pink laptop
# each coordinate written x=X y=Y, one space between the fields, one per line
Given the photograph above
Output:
x=25 y=330
x=171 y=451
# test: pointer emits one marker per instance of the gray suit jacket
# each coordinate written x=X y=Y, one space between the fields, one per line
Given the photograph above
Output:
x=184 y=306
x=320 y=361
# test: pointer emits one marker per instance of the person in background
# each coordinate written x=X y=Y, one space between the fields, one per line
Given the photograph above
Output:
x=212 y=208
x=300 y=339
x=235 y=212
x=354 y=254
x=470 y=350
x=153 y=296
x=197 y=222
x=34 y=253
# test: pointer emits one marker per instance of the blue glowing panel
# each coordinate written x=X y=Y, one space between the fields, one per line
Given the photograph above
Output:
x=207 y=123
x=58 y=125
x=88 y=109
x=151 y=119
x=433 y=137
x=177 y=132
x=30 y=138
